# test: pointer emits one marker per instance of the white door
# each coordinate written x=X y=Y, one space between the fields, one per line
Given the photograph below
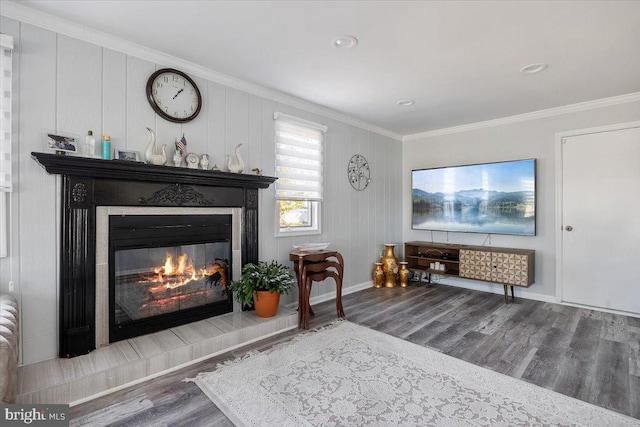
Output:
x=601 y=219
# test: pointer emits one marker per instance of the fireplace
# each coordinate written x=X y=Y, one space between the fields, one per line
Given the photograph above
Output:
x=167 y=270
x=95 y=192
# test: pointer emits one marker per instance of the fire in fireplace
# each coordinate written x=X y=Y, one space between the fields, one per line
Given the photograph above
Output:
x=166 y=271
x=176 y=285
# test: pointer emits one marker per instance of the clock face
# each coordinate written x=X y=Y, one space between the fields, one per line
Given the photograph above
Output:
x=173 y=95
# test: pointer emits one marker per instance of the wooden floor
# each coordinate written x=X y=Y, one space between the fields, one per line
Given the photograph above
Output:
x=592 y=356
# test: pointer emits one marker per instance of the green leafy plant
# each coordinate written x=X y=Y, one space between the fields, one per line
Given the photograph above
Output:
x=271 y=277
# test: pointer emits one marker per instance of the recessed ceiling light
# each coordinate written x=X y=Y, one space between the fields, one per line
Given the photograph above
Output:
x=406 y=102
x=534 y=68
x=344 y=42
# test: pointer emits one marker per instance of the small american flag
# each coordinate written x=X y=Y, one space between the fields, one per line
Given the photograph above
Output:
x=182 y=144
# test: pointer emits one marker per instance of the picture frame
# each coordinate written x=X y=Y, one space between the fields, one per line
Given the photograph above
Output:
x=127 y=155
x=61 y=142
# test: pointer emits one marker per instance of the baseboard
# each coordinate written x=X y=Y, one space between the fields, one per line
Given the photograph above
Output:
x=496 y=288
x=605 y=310
x=332 y=294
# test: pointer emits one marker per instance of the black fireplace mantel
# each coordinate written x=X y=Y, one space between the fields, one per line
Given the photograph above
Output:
x=134 y=171
x=88 y=183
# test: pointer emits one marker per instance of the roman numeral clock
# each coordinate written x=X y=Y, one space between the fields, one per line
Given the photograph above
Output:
x=174 y=95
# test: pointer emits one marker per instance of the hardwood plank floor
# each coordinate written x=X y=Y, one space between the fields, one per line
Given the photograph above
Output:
x=586 y=354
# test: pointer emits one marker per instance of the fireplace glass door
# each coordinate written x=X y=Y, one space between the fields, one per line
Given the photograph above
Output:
x=167 y=271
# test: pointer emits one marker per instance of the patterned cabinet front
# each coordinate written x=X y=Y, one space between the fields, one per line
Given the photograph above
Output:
x=510 y=269
x=475 y=264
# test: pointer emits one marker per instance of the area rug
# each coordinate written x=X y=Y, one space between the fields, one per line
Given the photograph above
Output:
x=349 y=375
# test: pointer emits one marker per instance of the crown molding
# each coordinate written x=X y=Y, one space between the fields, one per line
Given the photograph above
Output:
x=550 y=112
x=31 y=16
x=35 y=17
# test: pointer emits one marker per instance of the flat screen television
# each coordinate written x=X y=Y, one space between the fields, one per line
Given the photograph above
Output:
x=492 y=198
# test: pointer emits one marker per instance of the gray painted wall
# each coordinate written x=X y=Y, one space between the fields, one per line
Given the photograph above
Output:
x=69 y=85
x=523 y=140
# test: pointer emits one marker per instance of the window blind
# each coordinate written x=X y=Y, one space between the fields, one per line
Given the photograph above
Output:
x=6 y=50
x=298 y=158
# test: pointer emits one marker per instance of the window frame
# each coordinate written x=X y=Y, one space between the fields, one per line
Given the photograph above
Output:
x=315 y=228
x=315 y=205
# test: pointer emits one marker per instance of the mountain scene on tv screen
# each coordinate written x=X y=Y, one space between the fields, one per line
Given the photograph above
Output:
x=475 y=210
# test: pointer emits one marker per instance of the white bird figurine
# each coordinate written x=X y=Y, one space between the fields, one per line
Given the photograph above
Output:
x=235 y=165
x=150 y=155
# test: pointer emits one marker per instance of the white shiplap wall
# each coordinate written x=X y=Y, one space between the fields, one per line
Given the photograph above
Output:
x=72 y=86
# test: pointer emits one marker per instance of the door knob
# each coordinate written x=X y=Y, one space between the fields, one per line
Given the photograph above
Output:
x=568 y=228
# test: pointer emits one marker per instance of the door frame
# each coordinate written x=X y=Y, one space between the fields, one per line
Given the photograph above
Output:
x=559 y=200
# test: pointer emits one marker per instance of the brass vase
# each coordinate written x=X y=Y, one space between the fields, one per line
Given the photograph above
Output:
x=378 y=275
x=389 y=260
x=390 y=279
x=404 y=274
x=389 y=265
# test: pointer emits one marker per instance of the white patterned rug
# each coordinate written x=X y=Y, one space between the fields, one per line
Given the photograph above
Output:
x=349 y=375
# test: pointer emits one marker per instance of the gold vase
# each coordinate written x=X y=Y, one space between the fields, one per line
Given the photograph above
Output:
x=389 y=260
x=389 y=265
x=404 y=274
x=390 y=279
x=378 y=275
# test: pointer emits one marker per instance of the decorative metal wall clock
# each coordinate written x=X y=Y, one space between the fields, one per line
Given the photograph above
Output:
x=358 y=172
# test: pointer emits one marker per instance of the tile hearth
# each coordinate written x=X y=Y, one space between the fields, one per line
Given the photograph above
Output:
x=125 y=362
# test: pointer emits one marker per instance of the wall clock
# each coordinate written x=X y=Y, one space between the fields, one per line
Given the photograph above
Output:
x=174 y=95
x=358 y=172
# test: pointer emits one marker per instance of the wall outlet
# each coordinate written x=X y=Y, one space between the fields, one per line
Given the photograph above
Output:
x=12 y=286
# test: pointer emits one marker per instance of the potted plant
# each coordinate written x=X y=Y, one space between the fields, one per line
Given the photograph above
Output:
x=261 y=285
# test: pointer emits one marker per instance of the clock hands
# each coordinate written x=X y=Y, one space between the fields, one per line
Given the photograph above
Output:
x=174 y=97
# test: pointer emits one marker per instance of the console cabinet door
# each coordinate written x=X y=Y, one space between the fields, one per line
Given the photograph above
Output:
x=475 y=264
x=510 y=269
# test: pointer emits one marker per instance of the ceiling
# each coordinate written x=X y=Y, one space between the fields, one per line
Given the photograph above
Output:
x=459 y=61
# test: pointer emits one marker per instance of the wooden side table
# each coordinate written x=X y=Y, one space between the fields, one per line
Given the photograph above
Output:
x=315 y=266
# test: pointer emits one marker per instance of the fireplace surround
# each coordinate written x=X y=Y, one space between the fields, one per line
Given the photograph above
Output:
x=88 y=184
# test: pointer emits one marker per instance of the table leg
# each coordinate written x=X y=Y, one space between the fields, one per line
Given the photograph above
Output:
x=301 y=300
x=513 y=297
x=506 y=294
x=307 y=296
x=339 y=309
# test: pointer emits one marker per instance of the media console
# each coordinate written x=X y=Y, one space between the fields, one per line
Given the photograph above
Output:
x=510 y=267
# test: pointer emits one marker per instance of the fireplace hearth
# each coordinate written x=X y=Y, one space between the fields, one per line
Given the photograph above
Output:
x=90 y=184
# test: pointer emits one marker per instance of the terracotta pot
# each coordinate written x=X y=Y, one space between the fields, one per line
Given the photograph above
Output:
x=266 y=303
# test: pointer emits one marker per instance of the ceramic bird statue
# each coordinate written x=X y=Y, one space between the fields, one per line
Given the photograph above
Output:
x=150 y=155
x=235 y=165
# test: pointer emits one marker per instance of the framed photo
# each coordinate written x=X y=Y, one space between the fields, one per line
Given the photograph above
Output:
x=60 y=142
x=128 y=155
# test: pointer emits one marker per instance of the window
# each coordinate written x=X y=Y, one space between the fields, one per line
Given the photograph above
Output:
x=299 y=171
x=6 y=50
